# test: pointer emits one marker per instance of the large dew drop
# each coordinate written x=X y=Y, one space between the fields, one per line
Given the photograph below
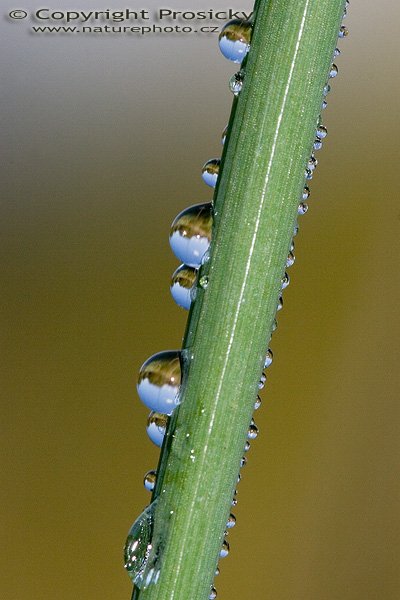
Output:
x=138 y=546
x=159 y=381
x=234 y=40
x=182 y=283
x=190 y=235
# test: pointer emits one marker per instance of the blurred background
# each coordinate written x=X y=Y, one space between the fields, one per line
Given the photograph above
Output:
x=104 y=138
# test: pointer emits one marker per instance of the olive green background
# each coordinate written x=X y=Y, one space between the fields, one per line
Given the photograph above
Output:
x=103 y=141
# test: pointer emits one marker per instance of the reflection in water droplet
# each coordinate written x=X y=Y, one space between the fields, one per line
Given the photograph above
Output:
x=312 y=163
x=150 y=480
x=253 y=431
x=324 y=104
x=322 y=132
x=306 y=193
x=159 y=381
x=343 y=32
x=231 y=521
x=138 y=545
x=303 y=208
x=257 y=403
x=243 y=461
x=213 y=594
x=182 y=283
x=236 y=82
x=262 y=381
x=224 y=134
x=203 y=282
x=247 y=446
x=317 y=144
x=191 y=234
x=308 y=174
x=234 y=40
x=334 y=71
x=268 y=358
x=290 y=260
x=210 y=171
x=336 y=52
x=327 y=89
x=156 y=427
x=224 y=550
x=285 y=281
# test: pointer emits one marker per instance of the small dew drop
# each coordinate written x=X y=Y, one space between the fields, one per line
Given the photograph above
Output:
x=182 y=283
x=257 y=404
x=231 y=521
x=224 y=550
x=324 y=104
x=156 y=427
x=150 y=480
x=253 y=431
x=234 y=40
x=217 y=571
x=243 y=461
x=303 y=208
x=285 y=281
x=290 y=260
x=343 y=32
x=138 y=545
x=213 y=594
x=334 y=71
x=280 y=303
x=224 y=134
x=308 y=174
x=312 y=163
x=262 y=381
x=247 y=446
x=236 y=83
x=317 y=144
x=327 y=89
x=268 y=358
x=336 y=52
x=295 y=229
x=274 y=325
x=306 y=193
x=210 y=171
x=322 y=132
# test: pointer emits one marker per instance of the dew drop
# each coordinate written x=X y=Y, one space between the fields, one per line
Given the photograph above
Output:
x=290 y=260
x=210 y=171
x=336 y=52
x=243 y=461
x=324 y=104
x=285 y=281
x=343 y=32
x=156 y=427
x=253 y=431
x=217 y=571
x=150 y=480
x=182 y=283
x=190 y=235
x=224 y=550
x=247 y=446
x=257 y=404
x=303 y=208
x=262 y=381
x=274 y=325
x=138 y=545
x=159 y=381
x=317 y=144
x=334 y=71
x=295 y=229
x=280 y=304
x=312 y=164
x=234 y=40
x=231 y=521
x=224 y=134
x=306 y=193
x=236 y=82
x=203 y=282
x=308 y=174
x=326 y=89
x=268 y=358
x=213 y=594
x=322 y=132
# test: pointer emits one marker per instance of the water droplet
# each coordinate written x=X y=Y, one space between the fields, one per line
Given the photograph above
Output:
x=280 y=304
x=203 y=282
x=191 y=234
x=308 y=174
x=236 y=82
x=224 y=550
x=262 y=381
x=334 y=71
x=306 y=193
x=150 y=480
x=343 y=32
x=231 y=521
x=217 y=571
x=317 y=144
x=326 y=89
x=303 y=208
x=285 y=281
x=268 y=358
x=324 y=104
x=156 y=427
x=234 y=40
x=182 y=283
x=257 y=403
x=138 y=545
x=247 y=446
x=253 y=431
x=290 y=260
x=159 y=381
x=243 y=460
x=213 y=594
x=224 y=134
x=312 y=163
x=210 y=171
x=336 y=52
x=295 y=229
x=274 y=325
x=322 y=132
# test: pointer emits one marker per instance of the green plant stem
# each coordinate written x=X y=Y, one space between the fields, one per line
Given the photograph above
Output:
x=259 y=189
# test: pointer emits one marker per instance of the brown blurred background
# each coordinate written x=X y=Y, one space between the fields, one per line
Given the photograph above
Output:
x=103 y=139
